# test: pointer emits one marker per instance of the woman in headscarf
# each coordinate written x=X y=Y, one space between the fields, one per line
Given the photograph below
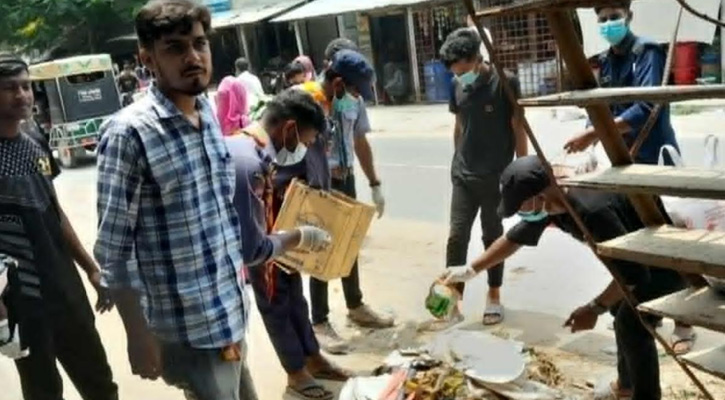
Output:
x=231 y=100
x=310 y=74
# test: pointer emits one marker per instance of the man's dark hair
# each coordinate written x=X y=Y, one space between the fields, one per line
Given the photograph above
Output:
x=293 y=69
x=463 y=44
x=298 y=105
x=337 y=45
x=11 y=65
x=242 y=64
x=163 y=17
x=615 y=4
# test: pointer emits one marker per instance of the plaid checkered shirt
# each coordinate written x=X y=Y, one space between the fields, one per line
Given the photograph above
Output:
x=167 y=224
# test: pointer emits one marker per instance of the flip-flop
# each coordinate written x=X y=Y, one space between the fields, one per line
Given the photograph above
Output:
x=686 y=342
x=307 y=391
x=493 y=310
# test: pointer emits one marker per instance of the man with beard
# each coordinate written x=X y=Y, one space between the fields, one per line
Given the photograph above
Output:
x=168 y=231
x=45 y=303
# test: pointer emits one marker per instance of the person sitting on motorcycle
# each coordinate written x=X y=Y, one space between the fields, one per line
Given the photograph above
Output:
x=128 y=84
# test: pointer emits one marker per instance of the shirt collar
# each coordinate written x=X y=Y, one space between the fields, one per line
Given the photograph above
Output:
x=164 y=107
x=625 y=46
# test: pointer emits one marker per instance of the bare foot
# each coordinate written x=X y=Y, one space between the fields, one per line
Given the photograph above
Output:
x=322 y=368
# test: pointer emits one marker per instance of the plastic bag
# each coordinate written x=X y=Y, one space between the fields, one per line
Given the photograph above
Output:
x=695 y=213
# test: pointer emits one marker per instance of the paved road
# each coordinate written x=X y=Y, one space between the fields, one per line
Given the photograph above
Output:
x=413 y=148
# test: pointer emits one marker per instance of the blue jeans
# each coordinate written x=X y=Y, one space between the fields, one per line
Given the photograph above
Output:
x=203 y=375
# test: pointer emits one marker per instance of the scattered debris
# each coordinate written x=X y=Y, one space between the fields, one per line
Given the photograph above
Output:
x=542 y=369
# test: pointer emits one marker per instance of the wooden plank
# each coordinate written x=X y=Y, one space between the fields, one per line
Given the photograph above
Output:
x=657 y=180
x=698 y=307
x=711 y=361
x=686 y=250
x=606 y=96
x=528 y=6
x=581 y=76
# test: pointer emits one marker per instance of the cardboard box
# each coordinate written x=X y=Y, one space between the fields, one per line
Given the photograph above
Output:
x=344 y=218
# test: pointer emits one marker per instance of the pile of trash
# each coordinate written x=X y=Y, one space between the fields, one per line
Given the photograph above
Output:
x=461 y=365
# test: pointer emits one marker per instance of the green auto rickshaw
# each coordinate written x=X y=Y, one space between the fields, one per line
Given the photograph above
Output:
x=73 y=98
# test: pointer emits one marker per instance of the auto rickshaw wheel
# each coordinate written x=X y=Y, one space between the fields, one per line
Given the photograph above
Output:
x=68 y=156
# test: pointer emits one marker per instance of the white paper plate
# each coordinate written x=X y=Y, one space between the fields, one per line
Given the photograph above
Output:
x=487 y=358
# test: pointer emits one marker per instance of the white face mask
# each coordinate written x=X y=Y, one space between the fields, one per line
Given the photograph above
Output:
x=285 y=157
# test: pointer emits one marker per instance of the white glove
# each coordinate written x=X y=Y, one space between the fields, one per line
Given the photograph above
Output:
x=11 y=347
x=459 y=274
x=313 y=238
x=379 y=200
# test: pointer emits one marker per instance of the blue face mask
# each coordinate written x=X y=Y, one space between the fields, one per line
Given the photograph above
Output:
x=468 y=78
x=347 y=103
x=533 y=216
x=614 y=31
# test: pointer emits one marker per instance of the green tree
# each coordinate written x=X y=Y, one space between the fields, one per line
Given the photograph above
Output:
x=76 y=24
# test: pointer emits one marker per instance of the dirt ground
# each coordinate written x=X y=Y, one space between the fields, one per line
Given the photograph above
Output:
x=404 y=253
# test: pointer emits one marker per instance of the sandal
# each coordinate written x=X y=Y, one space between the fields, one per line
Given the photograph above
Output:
x=493 y=314
x=683 y=340
x=310 y=390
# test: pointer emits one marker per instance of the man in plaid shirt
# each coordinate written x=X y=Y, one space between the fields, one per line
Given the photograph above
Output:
x=169 y=241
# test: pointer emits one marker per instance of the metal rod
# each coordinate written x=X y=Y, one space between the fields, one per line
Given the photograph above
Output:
x=700 y=15
x=652 y=119
x=561 y=24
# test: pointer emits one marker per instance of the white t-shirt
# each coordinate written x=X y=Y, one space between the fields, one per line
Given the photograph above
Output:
x=253 y=86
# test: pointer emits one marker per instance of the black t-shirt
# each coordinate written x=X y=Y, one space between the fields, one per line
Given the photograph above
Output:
x=487 y=143
x=30 y=232
x=608 y=216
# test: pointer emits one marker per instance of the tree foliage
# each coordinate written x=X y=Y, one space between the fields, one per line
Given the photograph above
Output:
x=75 y=24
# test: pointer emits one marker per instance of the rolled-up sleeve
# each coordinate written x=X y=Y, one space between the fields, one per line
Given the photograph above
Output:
x=362 y=124
x=647 y=72
x=119 y=187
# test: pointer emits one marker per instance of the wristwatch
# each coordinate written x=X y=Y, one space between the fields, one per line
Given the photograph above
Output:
x=374 y=184
x=598 y=308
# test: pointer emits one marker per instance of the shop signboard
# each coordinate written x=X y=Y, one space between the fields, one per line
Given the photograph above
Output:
x=218 y=6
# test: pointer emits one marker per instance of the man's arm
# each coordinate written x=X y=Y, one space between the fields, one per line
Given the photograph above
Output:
x=457 y=132
x=497 y=253
x=119 y=186
x=84 y=260
x=522 y=140
x=78 y=252
x=649 y=72
x=363 y=151
x=583 y=140
x=517 y=120
x=364 y=154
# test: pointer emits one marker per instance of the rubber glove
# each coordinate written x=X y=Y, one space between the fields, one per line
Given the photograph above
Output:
x=379 y=200
x=459 y=274
x=313 y=238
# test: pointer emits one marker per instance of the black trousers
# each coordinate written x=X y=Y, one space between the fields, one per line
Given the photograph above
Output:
x=472 y=194
x=637 y=358
x=350 y=284
x=286 y=317
x=72 y=340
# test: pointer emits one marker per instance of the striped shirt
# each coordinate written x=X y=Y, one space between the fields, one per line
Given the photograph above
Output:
x=167 y=224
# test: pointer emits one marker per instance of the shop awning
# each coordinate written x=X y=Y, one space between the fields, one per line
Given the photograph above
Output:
x=252 y=11
x=320 y=8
